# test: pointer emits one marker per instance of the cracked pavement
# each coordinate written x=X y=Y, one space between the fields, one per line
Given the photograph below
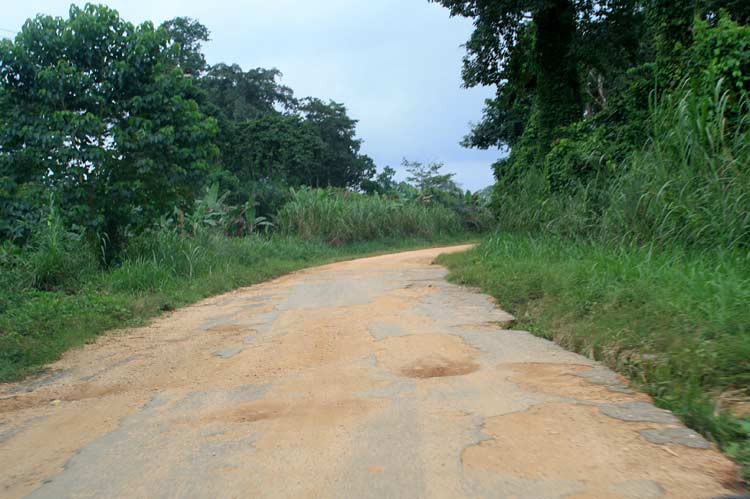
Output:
x=368 y=378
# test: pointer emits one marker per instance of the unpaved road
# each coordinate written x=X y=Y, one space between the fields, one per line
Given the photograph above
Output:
x=369 y=378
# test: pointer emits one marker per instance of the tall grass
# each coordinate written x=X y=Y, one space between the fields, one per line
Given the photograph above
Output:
x=689 y=185
x=339 y=217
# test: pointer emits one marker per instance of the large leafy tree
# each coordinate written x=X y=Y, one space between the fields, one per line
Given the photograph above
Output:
x=267 y=134
x=274 y=146
x=95 y=108
x=339 y=163
x=241 y=95
x=554 y=62
x=187 y=36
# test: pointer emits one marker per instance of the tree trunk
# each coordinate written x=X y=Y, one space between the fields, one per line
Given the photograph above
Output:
x=558 y=98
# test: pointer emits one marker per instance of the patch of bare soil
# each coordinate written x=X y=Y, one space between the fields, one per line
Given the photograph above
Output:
x=438 y=367
x=570 y=442
x=566 y=380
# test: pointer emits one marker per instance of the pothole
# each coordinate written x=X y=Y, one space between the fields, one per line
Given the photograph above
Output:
x=438 y=367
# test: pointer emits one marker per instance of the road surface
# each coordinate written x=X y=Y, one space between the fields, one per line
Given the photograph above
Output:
x=368 y=378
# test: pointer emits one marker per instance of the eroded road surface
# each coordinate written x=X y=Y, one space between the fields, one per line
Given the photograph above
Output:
x=369 y=378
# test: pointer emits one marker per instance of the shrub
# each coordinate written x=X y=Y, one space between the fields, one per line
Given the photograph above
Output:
x=57 y=259
x=722 y=52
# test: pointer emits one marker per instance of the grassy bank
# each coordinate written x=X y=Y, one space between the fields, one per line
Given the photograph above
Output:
x=57 y=299
x=675 y=322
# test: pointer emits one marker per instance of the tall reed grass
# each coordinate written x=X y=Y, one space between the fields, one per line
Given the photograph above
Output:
x=339 y=217
x=689 y=185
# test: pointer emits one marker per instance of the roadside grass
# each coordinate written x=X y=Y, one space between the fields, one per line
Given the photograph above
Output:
x=49 y=307
x=675 y=321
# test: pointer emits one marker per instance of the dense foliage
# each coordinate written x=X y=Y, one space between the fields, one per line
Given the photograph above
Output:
x=624 y=201
x=655 y=144
x=93 y=110
x=116 y=125
x=110 y=127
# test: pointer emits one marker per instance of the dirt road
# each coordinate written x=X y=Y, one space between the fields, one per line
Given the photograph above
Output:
x=370 y=378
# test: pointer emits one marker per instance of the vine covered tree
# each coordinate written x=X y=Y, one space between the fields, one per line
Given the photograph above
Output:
x=516 y=46
x=573 y=78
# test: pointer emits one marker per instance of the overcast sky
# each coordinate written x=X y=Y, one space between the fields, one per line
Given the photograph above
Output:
x=394 y=63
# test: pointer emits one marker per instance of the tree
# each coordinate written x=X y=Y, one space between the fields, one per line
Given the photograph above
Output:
x=240 y=95
x=427 y=177
x=499 y=27
x=94 y=108
x=187 y=35
x=339 y=163
x=275 y=147
x=507 y=115
x=431 y=185
x=383 y=183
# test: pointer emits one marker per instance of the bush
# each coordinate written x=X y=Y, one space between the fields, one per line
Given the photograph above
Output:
x=55 y=260
x=722 y=52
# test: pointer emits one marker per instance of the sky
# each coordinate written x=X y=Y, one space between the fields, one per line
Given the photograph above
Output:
x=395 y=64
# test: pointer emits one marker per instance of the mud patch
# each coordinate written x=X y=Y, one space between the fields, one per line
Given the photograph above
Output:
x=438 y=367
x=252 y=414
x=73 y=393
x=299 y=414
x=13 y=403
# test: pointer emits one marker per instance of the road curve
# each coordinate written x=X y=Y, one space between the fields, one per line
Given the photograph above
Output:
x=368 y=378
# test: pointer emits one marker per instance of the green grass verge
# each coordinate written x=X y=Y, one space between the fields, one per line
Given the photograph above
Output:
x=675 y=322
x=166 y=272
